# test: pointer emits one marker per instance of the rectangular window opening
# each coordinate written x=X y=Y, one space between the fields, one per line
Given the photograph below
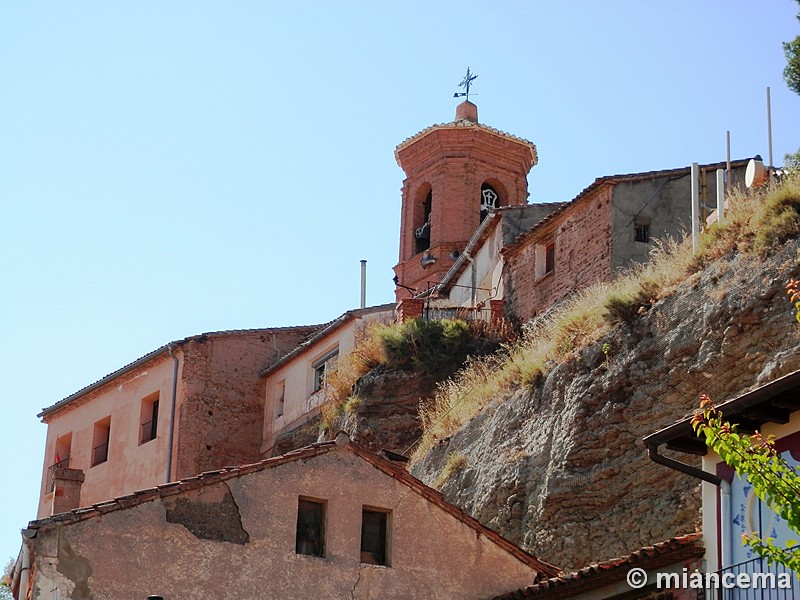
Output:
x=374 y=541
x=100 y=440
x=310 y=538
x=280 y=398
x=550 y=258
x=641 y=233
x=323 y=367
x=148 y=420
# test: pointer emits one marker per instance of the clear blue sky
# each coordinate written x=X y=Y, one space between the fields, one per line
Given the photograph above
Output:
x=170 y=168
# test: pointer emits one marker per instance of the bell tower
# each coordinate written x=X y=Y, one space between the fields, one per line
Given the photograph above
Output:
x=455 y=174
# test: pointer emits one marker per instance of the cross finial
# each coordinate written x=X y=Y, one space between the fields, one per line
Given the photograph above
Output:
x=468 y=79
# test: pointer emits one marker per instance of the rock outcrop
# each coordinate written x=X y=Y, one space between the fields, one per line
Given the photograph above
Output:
x=561 y=468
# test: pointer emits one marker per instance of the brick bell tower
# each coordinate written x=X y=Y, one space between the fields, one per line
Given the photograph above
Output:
x=455 y=174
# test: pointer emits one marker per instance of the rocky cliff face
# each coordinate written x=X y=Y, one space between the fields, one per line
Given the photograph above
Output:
x=561 y=468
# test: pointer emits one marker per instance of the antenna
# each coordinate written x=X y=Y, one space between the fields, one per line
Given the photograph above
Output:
x=468 y=79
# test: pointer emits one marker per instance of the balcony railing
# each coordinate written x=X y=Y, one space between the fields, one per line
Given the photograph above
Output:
x=764 y=582
x=100 y=454
x=148 y=432
x=432 y=313
x=51 y=473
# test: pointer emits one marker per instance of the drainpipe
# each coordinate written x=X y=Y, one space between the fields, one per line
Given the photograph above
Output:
x=172 y=410
x=25 y=567
x=725 y=523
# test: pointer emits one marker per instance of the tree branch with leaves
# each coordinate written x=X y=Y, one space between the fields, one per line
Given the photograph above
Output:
x=774 y=481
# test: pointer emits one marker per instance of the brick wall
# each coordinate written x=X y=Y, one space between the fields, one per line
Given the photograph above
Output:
x=221 y=411
x=452 y=163
x=582 y=235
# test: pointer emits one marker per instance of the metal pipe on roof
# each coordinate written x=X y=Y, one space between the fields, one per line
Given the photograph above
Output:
x=695 y=206
x=172 y=411
x=363 y=284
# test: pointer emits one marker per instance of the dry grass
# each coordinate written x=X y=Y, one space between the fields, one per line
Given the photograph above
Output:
x=757 y=222
x=367 y=354
x=454 y=462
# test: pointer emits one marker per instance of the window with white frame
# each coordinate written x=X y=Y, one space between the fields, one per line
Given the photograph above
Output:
x=544 y=259
x=322 y=368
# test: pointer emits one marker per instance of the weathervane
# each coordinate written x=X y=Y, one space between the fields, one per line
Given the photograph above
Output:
x=468 y=79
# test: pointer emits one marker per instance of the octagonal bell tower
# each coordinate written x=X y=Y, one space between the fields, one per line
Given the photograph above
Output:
x=455 y=174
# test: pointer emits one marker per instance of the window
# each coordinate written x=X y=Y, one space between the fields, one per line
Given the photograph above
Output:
x=148 y=419
x=373 y=537
x=545 y=259
x=280 y=398
x=641 y=233
x=422 y=234
x=489 y=200
x=100 y=439
x=61 y=459
x=550 y=258
x=322 y=368
x=310 y=527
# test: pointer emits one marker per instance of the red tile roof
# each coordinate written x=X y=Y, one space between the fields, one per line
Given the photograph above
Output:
x=595 y=576
x=306 y=329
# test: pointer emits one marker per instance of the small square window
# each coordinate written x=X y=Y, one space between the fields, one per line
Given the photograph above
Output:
x=148 y=419
x=374 y=537
x=100 y=439
x=641 y=233
x=310 y=538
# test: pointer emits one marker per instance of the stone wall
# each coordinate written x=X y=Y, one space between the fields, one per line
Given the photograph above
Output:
x=561 y=469
x=220 y=417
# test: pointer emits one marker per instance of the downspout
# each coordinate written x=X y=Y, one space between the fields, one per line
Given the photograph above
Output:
x=24 y=572
x=652 y=453
x=725 y=523
x=724 y=489
x=172 y=411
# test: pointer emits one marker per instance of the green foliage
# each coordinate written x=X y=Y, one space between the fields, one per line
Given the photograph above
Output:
x=438 y=348
x=791 y=74
x=793 y=290
x=780 y=216
x=773 y=480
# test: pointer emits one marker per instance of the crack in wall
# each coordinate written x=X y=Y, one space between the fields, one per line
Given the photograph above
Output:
x=358 y=580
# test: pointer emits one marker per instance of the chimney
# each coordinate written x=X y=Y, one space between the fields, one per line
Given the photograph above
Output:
x=363 y=284
x=467 y=111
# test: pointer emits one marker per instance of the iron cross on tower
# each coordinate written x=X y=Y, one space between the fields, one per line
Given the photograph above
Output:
x=468 y=79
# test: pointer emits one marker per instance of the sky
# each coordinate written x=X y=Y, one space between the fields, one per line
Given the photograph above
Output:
x=173 y=168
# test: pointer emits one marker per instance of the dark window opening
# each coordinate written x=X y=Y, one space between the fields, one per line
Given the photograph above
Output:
x=422 y=234
x=373 y=537
x=310 y=528
x=281 y=401
x=550 y=258
x=641 y=233
x=322 y=369
x=148 y=421
x=489 y=200
x=100 y=439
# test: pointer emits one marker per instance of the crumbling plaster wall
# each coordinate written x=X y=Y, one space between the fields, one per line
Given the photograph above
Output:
x=151 y=549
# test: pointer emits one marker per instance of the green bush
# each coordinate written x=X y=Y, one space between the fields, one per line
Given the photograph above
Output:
x=438 y=348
